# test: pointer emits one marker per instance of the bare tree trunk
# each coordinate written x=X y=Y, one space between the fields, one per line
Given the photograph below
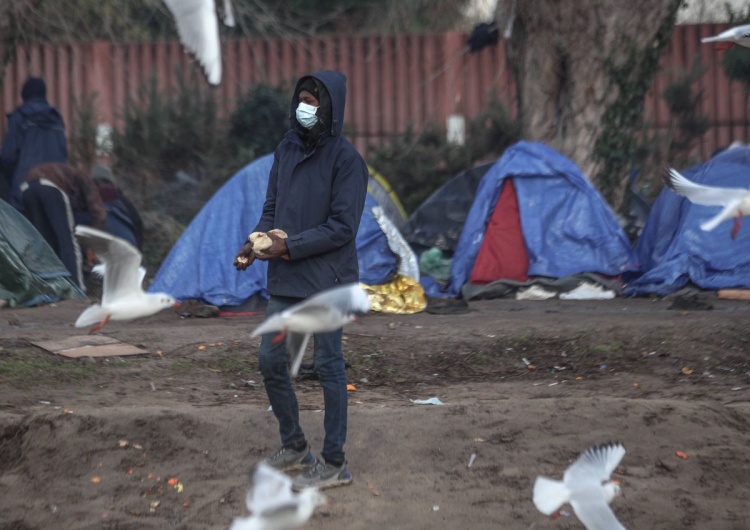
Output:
x=582 y=69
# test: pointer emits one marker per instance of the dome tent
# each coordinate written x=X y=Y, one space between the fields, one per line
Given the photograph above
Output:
x=535 y=215
x=673 y=250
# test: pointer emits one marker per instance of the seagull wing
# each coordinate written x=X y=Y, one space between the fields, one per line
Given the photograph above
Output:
x=594 y=512
x=198 y=27
x=594 y=465
x=325 y=311
x=269 y=490
x=729 y=211
x=740 y=32
x=295 y=347
x=276 y=322
x=346 y=299
x=121 y=262
x=699 y=194
x=228 y=17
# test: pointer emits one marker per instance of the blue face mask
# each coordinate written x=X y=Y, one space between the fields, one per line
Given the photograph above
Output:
x=306 y=115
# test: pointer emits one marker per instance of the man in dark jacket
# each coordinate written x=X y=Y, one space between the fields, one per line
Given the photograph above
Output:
x=36 y=134
x=316 y=194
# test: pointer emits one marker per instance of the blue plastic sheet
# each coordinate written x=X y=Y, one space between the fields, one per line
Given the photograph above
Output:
x=673 y=250
x=199 y=266
x=568 y=228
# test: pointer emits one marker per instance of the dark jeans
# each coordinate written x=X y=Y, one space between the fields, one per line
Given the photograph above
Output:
x=48 y=209
x=329 y=365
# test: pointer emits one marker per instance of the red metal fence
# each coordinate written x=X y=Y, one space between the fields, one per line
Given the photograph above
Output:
x=393 y=81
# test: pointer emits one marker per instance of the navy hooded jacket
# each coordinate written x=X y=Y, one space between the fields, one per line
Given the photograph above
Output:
x=36 y=134
x=316 y=194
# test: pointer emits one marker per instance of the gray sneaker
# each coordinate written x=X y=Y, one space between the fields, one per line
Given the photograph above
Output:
x=322 y=475
x=287 y=459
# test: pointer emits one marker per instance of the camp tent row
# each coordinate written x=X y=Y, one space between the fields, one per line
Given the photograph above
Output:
x=529 y=218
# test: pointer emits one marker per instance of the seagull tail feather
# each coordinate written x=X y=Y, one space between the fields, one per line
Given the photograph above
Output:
x=549 y=495
x=92 y=315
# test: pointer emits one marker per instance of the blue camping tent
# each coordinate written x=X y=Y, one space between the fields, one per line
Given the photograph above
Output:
x=673 y=250
x=199 y=266
x=567 y=227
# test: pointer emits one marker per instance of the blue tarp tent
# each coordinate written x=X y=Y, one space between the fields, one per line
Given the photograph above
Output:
x=199 y=266
x=566 y=226
x=673 y=250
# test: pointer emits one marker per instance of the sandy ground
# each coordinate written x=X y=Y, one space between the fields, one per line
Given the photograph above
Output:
x=92 y=443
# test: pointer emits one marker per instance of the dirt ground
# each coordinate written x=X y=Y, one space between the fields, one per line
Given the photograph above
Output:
x=526 y=386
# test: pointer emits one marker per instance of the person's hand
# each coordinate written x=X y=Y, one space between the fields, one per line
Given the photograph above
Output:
x=276 y=250
x=244 y=257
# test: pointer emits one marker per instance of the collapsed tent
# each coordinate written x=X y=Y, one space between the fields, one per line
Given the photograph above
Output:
x=673 y=250
x=439 y=220
x=30 y=271
x=535 y=215
x=199 y=266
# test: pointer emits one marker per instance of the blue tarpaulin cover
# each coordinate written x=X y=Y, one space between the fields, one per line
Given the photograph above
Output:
x=673 y=250
x=199 y=266
x=568 y=228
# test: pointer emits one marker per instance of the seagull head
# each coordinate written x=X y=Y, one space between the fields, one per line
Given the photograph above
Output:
x=163 y=300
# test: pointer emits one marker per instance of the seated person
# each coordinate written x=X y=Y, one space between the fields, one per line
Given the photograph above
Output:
x=53 y=195
x=123 y=219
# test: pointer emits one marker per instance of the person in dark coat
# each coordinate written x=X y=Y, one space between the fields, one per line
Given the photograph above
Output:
x=316 y=194
x=36 y=134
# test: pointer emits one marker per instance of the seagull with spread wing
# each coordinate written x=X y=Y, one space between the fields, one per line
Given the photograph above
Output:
x=326 y=311
x=272 y=503
x=586 y=485
x=198 y=27
x=735 y=202
x=122 y=295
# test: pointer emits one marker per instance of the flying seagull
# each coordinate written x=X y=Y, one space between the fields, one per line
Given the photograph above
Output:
x=326 y=311
x=586 y=486
x=272 y=503
x=735 y=202
x=122 y=295
x=198 y=27
x=726 y=39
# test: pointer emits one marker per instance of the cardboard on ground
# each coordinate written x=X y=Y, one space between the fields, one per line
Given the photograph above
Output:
x=89 y=346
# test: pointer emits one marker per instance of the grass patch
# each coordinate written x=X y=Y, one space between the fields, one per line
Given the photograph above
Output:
x=181 y=367
x=30 y=372
x=234 y=364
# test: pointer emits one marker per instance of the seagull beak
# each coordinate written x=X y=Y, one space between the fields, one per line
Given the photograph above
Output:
x=618 y=482
x=176 y=304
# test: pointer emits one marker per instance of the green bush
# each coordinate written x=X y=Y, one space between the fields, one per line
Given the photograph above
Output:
x=164 y=133
x=259 y=121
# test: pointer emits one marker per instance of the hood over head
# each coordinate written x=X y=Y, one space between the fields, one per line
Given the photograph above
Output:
x=34 y=88
x=329 y=86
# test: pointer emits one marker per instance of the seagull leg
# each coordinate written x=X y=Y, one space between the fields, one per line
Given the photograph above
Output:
x=100 y=325
x=736 y=226
x=721 y=46
x=278 y=339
